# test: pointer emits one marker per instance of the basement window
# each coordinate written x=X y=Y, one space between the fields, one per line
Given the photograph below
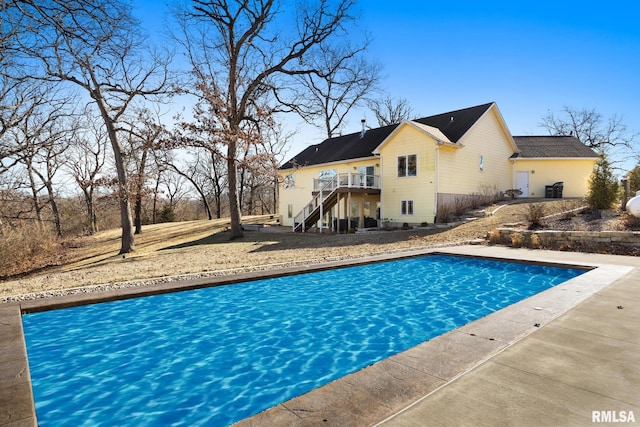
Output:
x=406 y=207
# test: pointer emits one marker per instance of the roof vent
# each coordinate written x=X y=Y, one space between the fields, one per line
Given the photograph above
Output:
x=451 y=119
x=364 y=129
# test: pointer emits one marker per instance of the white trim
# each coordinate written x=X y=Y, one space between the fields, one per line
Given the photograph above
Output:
x=501 y=122
x=337 y=162
x=553 y=158
x=432 y=132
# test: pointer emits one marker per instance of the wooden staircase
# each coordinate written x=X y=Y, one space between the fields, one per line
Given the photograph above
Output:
x=326 y=197
x=311 y=214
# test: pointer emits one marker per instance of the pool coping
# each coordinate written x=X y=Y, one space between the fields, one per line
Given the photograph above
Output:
x=374 y=393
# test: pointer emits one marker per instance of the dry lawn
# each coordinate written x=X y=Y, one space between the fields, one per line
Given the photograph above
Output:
x=198 y=247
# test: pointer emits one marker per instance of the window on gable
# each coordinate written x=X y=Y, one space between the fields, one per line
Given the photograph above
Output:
x=407 y=165
x=406 y=207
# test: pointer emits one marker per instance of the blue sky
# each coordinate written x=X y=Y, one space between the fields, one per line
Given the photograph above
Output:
x=531 y=58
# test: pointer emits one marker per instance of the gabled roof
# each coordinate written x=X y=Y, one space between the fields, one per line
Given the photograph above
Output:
x=551 y=147
x=453 y=125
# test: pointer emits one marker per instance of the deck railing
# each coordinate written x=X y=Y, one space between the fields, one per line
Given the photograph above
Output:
x=348 y=180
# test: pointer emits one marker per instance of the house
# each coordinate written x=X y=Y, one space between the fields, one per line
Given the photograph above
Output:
x=544 y=160
x=404 y=173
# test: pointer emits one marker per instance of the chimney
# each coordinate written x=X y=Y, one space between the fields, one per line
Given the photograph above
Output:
x=364 y=122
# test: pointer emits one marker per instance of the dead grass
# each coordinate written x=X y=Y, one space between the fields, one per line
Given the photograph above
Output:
x=203 y=246
x=27 y=246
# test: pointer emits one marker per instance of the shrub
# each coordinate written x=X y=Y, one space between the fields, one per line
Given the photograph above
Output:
x=535 y=241
x=444 y=213
x=513 y=192
x=495 y=237
x=634 y=179
x=603 y=186
x=534 y=215
x=26 y=247
x=517 y=240
x=460 y=205
x=487 y=195
x=167 y=214
x=475 y=201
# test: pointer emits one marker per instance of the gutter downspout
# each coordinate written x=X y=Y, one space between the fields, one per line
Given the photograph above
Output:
x=435 y=180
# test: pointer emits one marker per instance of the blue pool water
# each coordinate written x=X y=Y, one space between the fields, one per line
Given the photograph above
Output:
x=217 y=355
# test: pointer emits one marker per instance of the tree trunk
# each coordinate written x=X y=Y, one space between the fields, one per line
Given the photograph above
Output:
x=34 y=193
x=275 y=194
x=155 y=201
x=54 y=209
x=140 y=185
x=234 y=210
x=126 y=219
x=91 y=215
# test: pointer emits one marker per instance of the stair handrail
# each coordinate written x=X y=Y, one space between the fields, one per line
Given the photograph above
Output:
x=341 y=180
x=311 y=206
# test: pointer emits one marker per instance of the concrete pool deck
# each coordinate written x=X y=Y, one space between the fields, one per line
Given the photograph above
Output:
x=566 y=356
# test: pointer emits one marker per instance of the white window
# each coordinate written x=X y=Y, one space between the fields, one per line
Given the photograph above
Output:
x=289 y=211
x=481 y=161
x=290 y=182
x=407 y=165
x=406 y=207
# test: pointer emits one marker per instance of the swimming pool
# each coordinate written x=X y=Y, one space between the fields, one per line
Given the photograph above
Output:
x=215 y=356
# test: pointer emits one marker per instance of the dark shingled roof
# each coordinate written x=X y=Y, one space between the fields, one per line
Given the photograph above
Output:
x=551 y=146
x=453 y=125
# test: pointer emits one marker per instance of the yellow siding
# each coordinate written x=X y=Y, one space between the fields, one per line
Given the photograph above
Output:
x=443 y=170
x=420 y=188
x=574 y=173
x=301 y=194
x=459 y=168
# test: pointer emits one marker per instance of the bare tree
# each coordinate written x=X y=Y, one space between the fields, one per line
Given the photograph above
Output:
x=342 y=81
x=85 y=162
x=195 y=173
x=391 y=111
x=144 y=137
x=202 y=134
x=95 y=45
x=240 y=51
x=590 y=127
x=17 y=96
x=40 y=140
x=262 y=167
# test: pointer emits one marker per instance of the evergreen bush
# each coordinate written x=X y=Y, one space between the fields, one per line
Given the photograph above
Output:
x=604 y=189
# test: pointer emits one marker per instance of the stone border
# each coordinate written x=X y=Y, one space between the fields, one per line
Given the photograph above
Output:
x=555 y=238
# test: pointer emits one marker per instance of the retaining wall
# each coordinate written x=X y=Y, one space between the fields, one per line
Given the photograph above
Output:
x=552 y=237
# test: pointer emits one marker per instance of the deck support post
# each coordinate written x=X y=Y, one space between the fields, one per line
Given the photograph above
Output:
x=321 y=210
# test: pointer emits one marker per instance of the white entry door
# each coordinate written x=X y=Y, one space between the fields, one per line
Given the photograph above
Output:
x=522 y=182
